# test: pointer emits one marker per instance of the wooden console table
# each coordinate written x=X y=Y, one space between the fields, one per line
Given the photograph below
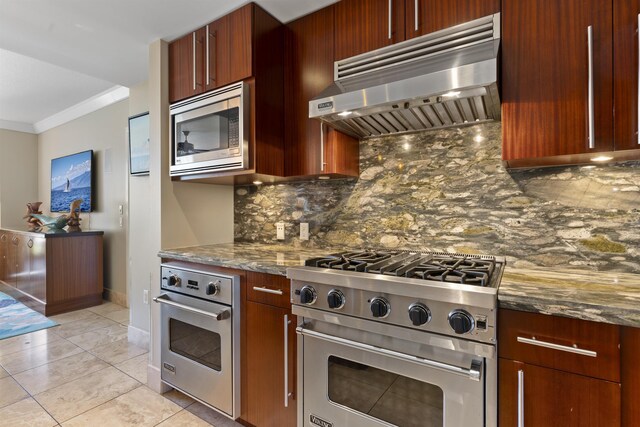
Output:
x=52 y=272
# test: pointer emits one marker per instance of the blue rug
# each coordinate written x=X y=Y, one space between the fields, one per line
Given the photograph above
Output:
x=17 y=319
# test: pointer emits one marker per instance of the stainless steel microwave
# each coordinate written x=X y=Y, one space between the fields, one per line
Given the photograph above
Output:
x=210 y=132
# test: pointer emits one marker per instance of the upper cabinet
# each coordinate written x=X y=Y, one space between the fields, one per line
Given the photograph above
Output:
x=626 y=73
x=216 y=55
x=312 y=148
x=365 y=25
x=426 y=16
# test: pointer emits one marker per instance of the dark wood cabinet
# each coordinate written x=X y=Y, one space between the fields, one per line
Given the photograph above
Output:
x=625 y=73
x=53 y=273
x=553 y=397
x=365 y=25
x=630 y=373
x=4 y=255
x=545 y=78
x=270 y=334
x=309 y=53
x=436 y=15
x=186 y=77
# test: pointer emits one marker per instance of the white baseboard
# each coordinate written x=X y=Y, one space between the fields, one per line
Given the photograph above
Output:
x=154 y=382
x=138 y=337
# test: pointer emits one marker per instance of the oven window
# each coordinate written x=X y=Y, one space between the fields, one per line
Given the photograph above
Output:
x=207 y=133
x=383 y=395
x=197 y=344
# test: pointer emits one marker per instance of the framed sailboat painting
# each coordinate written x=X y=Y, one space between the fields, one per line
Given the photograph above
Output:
x=71 y=179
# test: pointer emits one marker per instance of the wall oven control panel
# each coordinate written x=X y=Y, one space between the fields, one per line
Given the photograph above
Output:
x=217 y=288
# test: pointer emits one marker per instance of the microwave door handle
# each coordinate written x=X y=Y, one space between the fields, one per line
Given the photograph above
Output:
x=163 y=299
x=473 y=373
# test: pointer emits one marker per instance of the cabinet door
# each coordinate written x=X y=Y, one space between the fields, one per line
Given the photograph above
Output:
x=427 y=16
x=4 y=248
x=626 y=14
x=23 y=264
x=38 y=268
x=549 y=395
x=545 y=78
x=12 y=259
x=365 y=25
x=309 y=70
x=186 y=66
x=266 y=346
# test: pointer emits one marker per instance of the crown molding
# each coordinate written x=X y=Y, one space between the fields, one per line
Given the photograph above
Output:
x=17 y=126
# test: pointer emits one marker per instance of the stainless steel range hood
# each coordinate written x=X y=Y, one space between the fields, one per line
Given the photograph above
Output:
x=443 y=79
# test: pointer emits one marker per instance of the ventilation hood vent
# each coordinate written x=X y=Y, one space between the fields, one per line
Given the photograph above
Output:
x=443 y=79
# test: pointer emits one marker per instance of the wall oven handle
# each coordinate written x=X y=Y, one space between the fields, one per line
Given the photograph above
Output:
x=520 y=398
x=473 y=373
x=267 y=290
x=224 y=314
x=576 y=350
x=592 y=136
x=287 y=394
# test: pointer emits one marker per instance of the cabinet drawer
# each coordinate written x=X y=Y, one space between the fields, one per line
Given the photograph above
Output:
x=571 y=345
x=268 y=289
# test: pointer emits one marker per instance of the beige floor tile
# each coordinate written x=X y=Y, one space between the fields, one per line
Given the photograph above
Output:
x=99 y=337
x=136 y=367
x=76 y=397
x=211 y=416
x=104 y=308
x=59 y=372
x=88 y=324
x=184 y=419
x=10 y=392
x=72 y=316
x=118 y=351
x=36 y=356
x=23 y=342
x=25 y=413
x=3 y=373
x=139 y=407
x=120 y=316
x=178 y=398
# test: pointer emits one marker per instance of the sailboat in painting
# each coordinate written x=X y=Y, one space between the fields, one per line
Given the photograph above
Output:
x=67 y=187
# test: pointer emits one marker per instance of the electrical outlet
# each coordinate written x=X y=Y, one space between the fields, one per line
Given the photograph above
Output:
x=145 y=296
x=304 y=231
x=120 y=221
x=121 y=209
x=280 y=230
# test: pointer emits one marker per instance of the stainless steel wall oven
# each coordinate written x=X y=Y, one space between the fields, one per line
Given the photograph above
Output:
x=200 y=335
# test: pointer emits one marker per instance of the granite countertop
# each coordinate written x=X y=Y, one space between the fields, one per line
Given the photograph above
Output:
x=47 y=233
x=605 y=296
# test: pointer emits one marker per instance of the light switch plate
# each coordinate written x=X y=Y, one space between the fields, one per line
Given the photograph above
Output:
x=304 y=231
x=280 y=230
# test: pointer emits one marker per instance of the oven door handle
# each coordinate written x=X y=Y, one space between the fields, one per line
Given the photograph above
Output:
x=224 y=314
x=473 y=373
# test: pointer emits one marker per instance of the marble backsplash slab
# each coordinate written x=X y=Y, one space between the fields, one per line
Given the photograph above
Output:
x=447 y=190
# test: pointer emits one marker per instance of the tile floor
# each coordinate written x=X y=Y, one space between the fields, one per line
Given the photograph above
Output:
x=86 y=373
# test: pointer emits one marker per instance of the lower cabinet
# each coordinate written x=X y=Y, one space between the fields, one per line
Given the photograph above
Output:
x=549 y=397
x=270 y=352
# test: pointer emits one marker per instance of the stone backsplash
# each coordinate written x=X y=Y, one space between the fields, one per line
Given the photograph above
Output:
x=447 y=190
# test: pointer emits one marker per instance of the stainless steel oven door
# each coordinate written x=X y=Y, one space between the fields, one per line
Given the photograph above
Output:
x=197 y=351
x=349 y=382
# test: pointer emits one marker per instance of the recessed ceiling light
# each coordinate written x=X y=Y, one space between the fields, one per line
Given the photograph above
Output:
x=601 y=159
x=345 y=113
x=451 y=94
x=257 y=182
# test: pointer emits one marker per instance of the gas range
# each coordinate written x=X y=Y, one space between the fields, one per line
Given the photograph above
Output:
x=443 y=293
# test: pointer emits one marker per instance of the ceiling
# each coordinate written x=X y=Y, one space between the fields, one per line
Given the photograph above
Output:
x=55 y=54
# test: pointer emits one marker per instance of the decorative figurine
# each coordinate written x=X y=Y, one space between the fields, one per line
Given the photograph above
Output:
x=58 y=223
x=74 y=215
x=33 y=208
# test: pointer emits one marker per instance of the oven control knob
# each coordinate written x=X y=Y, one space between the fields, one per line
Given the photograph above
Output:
x=212 y=288
x=461 y=321
x=335 y=299
x=380 y=307
x=175 y=281
x=419 y=314
x=308 y=295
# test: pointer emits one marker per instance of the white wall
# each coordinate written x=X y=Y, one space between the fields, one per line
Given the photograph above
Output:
x=104 y=132
x=18 y=176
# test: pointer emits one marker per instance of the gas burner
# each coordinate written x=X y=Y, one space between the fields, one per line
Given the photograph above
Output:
x=465 y=271
x=351 y=261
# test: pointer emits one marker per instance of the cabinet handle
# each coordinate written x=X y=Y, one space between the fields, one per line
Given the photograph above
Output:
x=322 y=147
x=193 y=40
x=520 y=398
x=287 y=394
x=592 y=142
x=576 y=350
x=30 y=243
x=3 y=238
x=207 y=49
x=416 y=10
x=267 y=290
x=390 y=9
x=639 y=79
